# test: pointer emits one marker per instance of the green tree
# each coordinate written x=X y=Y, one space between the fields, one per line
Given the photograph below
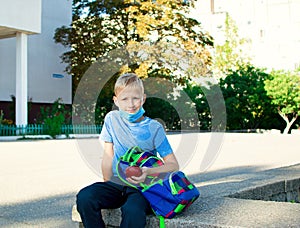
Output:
x=168 y=117
x=158 y=36
x=230 y=55
x=195 y=92
x=170 y=104
x=284 y=90
x=247 y=103
x=101 y=26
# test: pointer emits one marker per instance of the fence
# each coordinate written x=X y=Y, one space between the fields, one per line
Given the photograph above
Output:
x=39 y=129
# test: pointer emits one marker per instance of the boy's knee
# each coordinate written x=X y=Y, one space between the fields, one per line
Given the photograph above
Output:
x=83 y=198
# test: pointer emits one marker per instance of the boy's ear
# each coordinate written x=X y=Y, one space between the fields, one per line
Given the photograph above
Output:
x=115 y=101
x=144 y=98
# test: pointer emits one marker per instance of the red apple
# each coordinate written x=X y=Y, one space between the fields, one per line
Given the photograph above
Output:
x=133 y=171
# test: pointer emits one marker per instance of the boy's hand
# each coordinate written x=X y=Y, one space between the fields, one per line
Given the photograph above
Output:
x=140 y=179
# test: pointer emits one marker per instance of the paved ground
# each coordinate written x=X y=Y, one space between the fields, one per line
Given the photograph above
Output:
x=39 y=178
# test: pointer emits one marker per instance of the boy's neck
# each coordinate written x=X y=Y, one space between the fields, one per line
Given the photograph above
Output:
x=140 y=119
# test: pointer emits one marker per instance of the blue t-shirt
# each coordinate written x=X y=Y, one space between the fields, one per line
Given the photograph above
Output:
x=148 y=134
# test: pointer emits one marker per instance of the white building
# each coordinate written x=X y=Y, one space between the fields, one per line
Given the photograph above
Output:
x=30 y=64
x=273 y=26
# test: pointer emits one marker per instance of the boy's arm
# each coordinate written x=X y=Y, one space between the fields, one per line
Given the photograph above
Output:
x=170 y=165
x=107 y=161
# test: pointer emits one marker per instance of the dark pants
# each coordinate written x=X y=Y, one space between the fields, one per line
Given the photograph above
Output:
x=109 y=195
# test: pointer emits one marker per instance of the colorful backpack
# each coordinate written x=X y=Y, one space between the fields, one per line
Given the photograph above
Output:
x=168 y=193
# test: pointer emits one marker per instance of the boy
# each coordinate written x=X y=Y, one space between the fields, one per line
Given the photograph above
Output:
x=123 y=129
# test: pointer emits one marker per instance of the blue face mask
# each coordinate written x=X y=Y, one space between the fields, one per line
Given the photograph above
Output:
x=132 y=117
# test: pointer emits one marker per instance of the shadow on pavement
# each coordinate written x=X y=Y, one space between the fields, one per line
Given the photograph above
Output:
x=54 y=211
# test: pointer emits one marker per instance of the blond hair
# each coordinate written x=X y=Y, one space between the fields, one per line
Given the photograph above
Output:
x=128 y=79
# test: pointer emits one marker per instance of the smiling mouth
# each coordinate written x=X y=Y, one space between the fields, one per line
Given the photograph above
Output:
x=131 y=111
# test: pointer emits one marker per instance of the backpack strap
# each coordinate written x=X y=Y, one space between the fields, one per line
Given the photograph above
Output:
x=126 y=157
x=172 y=185
x=161 y=222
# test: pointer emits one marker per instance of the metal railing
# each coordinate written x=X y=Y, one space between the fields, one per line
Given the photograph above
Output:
x=40 y=129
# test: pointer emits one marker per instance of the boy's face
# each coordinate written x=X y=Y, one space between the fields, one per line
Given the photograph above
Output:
x=130 y=99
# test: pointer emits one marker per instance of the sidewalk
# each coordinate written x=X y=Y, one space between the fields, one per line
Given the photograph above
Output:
x=40 y=178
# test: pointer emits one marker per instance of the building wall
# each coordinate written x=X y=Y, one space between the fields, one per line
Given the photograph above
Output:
x=14 y=14
x=47 y=80
x=273 y=26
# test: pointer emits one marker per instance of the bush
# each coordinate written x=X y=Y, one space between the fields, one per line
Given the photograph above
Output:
x=4 y=121
x=53 y=118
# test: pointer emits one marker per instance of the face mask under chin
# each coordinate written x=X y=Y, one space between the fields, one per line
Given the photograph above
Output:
x=132 y=117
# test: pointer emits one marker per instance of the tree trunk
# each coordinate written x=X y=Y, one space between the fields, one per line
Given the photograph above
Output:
x=288 y=122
